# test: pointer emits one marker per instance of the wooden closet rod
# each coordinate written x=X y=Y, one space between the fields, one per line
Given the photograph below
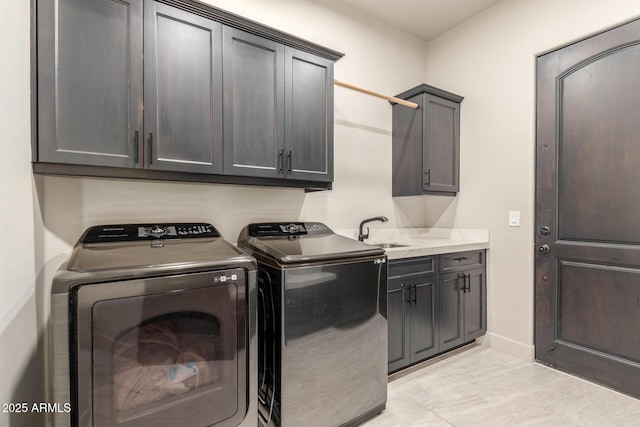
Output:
x=379 y=95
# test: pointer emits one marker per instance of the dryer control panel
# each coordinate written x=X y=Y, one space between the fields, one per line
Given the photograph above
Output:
x=137 y=232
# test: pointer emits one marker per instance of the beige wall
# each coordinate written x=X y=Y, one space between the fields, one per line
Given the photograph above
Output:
x=490 y=59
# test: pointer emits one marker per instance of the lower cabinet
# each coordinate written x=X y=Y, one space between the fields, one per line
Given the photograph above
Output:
x=411 y=312
x=435 y=304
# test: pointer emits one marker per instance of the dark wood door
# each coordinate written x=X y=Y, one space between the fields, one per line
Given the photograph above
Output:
x=587 y=262
x=451 y=310
x=253 y=105
x=90 y=82
x=441 y=144
x=398 y=304
x=308 y=116
x=424 y=328
x=182 y=90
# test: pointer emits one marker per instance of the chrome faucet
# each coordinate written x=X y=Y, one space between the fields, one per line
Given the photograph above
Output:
x=361 y=235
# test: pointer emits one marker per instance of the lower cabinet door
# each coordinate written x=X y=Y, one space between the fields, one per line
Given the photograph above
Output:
x=475 y=312
x=424 y=328
x=398 y=303
x=451 y=310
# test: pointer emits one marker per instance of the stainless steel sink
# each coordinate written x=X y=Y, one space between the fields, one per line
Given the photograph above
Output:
x=388 y=245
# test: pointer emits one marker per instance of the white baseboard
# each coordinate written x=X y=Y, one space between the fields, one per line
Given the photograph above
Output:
x=507 y=345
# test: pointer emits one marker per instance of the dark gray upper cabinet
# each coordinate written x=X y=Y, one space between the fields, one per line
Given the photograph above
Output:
x=308 y=116
x=183 y=90
x=426 y=143
x=253 y=105
x=225 y=99
x=89 y=82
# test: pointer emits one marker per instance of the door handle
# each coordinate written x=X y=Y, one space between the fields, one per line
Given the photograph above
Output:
x=290 y=162
x=280 y=160
x=415 y=294
x=408 y=294
x=427 y=179
x=467 y=280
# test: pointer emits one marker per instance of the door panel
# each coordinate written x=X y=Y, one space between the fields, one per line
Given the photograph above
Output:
x=253 y=104
x=594 y=306
x=441 y=133
x=89 y=81
x=308 y=116
x=587 y=307
x=398 y=301
x=424 y=337
x=451 y=311
x=183 y=99
x=598 y=146
x=475 y=313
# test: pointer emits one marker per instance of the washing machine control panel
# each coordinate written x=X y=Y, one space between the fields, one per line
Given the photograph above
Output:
x=286 y=229
x=142 y=232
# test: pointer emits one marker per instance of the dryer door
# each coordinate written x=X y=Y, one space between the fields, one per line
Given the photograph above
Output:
x=162 y=352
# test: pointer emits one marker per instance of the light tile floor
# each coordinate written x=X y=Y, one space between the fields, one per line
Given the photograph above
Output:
x=480 y=386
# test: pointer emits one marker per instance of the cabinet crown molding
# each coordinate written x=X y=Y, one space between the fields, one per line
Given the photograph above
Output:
x=253 y=27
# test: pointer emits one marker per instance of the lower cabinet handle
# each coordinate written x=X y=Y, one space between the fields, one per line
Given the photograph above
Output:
x=409 y=294
x=280 y=160
x=290 y=162
x=468 y=285
x=415 y=294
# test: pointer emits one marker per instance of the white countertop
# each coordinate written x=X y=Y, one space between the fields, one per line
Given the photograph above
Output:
x=424 y=241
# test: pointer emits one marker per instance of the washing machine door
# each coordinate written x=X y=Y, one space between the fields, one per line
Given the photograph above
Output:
x=167 y=351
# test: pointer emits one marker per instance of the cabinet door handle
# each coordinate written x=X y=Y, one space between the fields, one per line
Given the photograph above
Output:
x=427 y=179
x=280 y=160
x=290 y=162
x=415 y=294
x=409 y=293
x=136 y=147
x=150 y=147
x=467 y=287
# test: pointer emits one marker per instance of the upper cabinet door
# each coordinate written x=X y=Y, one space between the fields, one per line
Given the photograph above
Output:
x=308 y=116
x=89 y=82
x=441 y=144
x=253 y=105
x=182 y=88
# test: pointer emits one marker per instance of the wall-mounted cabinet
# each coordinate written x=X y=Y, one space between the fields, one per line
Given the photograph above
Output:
x=217 y=98
x=426 y=143
x=278 y=110
x=434 y=304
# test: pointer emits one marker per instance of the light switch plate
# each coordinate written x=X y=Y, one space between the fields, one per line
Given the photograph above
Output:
x=514 y=218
